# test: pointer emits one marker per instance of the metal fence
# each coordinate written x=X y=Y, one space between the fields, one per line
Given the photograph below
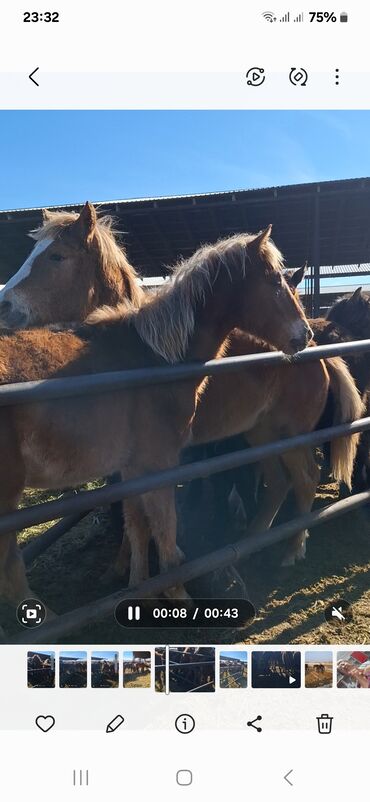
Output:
x=77 y=506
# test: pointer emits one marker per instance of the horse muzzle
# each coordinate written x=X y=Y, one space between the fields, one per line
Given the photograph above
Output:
x=11 y=317
x=301 y=340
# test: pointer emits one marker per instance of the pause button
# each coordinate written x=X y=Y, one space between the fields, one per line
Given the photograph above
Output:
x=133 y=613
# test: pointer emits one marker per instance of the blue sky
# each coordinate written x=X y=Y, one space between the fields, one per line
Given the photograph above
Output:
x=105 y=655
x=318 y=657
x=74 y=655
x=237 y=655
x=62 y=157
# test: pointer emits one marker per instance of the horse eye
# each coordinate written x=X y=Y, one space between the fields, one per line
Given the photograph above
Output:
x=278 y=287
x=56 y=257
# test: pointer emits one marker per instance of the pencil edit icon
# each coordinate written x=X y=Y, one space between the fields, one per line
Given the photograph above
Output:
x=114 y=724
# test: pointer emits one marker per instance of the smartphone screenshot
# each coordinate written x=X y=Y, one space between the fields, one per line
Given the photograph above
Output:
x=184 y=401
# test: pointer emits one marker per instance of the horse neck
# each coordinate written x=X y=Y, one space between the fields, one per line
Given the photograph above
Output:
x=215 y=316
x=116 y=284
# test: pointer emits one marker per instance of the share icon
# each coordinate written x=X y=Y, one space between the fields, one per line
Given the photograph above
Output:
x=252 y=724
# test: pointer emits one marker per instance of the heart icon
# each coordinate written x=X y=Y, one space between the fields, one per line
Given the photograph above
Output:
x=45 y=723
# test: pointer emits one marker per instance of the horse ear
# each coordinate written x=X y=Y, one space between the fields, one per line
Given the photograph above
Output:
x=298 y=275
x=356 y=295
x=85 y=223
x=262 y=238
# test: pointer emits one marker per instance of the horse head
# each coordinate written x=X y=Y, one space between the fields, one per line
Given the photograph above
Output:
x=271 y=306
x=74 y=267
x=353 y=313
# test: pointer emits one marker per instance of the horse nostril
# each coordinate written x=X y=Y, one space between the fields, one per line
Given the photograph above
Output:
x=5 y=306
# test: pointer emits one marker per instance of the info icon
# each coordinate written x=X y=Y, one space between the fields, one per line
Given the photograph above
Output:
x=185 y=723
x=31 y=613
x=339 y=612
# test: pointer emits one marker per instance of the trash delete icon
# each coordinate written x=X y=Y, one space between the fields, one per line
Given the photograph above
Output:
x=324 y=723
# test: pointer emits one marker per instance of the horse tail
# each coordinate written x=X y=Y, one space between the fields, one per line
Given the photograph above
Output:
x=348 y=407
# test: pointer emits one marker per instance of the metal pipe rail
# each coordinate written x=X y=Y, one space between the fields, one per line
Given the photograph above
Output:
x=86 y=500
x=77 y=506
x=90 y=613
x=93 y=384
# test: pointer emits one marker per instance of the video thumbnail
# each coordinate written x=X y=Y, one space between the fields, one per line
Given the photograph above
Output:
x=104 y=670
x=41 y=669
x=137 y=667
x=189 y=669
x=233 y=669
x=73 y=670
x=276 y=669
x=353 y=670
x=319 y=669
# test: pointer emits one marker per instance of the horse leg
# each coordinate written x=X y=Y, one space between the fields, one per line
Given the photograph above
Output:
x=275 y=490
x=305 y=476
x=13 y=581
x=134 y=551
x=161 y=513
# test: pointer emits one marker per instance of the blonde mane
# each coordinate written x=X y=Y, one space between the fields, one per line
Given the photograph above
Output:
x=166 y=323
x=113 y=257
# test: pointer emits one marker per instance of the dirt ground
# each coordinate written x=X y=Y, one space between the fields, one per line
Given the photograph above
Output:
x=316 y=679
x=233 y=679
x=290 y=602
x=136 y=680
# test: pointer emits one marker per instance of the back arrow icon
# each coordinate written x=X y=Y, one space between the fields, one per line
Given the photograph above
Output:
x=287 y=775
x=31 y=76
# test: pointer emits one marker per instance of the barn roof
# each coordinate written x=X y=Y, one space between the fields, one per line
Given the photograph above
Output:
x=157 y=231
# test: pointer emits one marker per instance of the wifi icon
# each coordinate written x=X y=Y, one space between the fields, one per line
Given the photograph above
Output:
x=269 y=16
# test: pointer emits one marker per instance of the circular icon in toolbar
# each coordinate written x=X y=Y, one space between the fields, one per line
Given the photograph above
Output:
x=185 y=723
x=31 y=613
x=339 y=612
x=255 y=76
x=298 y=76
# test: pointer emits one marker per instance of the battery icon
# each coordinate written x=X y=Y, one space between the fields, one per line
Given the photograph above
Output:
x=343 y=17
x=133 y=613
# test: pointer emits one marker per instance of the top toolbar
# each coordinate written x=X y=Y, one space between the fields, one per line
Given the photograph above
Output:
x=255 y=87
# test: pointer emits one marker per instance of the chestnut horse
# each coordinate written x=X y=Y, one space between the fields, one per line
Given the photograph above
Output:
x=268 y=403
x=66 y=442
x=65 y=283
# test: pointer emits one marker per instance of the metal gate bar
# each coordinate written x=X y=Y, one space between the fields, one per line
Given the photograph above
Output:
x=92 y=384
x=50 y=536
x=89 y=499
x=90 y=613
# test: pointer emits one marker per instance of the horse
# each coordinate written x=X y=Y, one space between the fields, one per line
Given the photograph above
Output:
x=234 y=492
x=75 y=267
x=237 y=282
x=268 y=403
x=349 y=319
x=69 y=285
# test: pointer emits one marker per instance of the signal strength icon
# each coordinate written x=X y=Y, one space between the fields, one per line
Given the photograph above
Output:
x=285 y=18
x=269 y=16
x=299 y=18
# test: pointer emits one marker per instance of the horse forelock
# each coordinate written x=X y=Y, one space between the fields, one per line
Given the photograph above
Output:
x=114 y=262
x=167 y=322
